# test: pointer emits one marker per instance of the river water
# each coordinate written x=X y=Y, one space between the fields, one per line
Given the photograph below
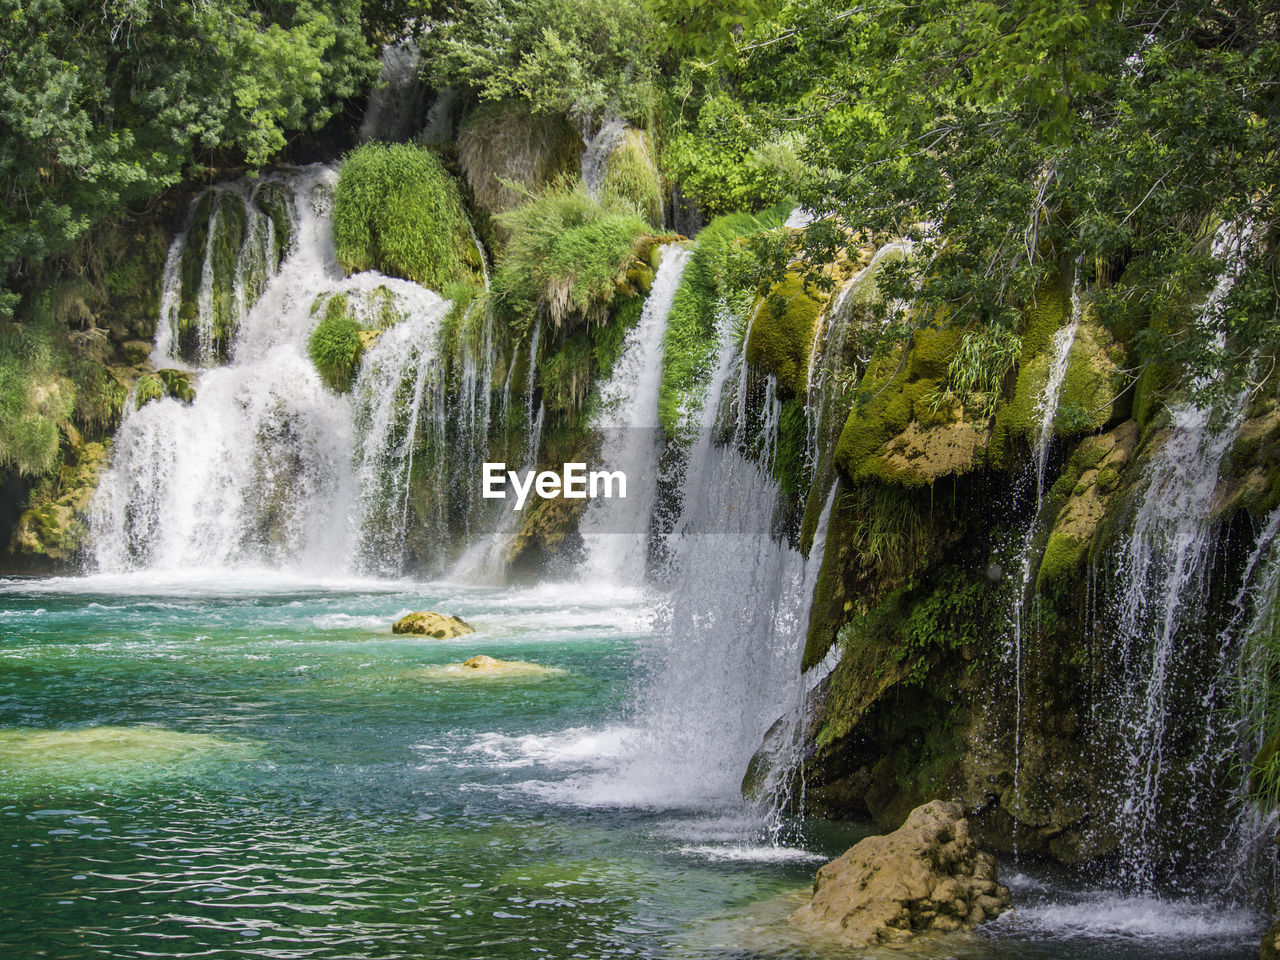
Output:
x=251 y=765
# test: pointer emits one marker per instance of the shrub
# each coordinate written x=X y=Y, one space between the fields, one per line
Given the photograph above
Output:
x=35 y=398
x=566 y=254
x=335 y=346
x=397 y=210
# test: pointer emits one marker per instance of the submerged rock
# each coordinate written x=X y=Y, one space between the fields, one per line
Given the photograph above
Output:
x=427 y=623
x=927 y=875
x=486 y=667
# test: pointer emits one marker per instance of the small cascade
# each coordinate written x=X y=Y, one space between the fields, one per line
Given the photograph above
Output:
x=397 y=103
x=1161 y=580
x=235 y=241
x=782 y=755
x=1046 y=413
x=1161 y=661
x=617 y=531
x=833 y=343
x=399 y=414
x=595 y=159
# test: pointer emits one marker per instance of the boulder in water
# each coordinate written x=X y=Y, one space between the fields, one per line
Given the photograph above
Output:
x=928 y=875
x=430 y=624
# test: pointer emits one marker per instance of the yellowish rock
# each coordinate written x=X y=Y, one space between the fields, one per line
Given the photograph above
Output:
x=428 y=623
x=928 y=875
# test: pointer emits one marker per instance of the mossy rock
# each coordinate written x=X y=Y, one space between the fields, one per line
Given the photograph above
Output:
x=1090 y=388
x=428 y=623
x=55 y=527
x=932 y=349
x=506 y=143
x=179 y=384
x=921 y=455
x=336 y=345
x=1082 y=496
x=216 y=234
x=782 y=332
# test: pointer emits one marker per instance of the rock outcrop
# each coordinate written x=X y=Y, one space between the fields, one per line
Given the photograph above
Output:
x=927 y=875
x=427 y=623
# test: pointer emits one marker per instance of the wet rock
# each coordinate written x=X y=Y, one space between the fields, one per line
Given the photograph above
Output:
x=927 y=875
x=427 y=623
x=484 y=667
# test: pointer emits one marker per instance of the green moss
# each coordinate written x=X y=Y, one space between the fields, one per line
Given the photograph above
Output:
x=177 y=384
x=276 y=202
x=932 y=349
x=607 y=339
x=782 y=331
x=689 y=344
x=882 y=408
x=564 y=371
x=1047 y=312
x=1063 y=553
x=633 y=176
x=397 y=210
x=335 y=346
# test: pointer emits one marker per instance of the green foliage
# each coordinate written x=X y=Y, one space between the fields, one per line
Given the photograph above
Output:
x=977 y=371
x=567 y=252
x=580 y=58
x=36 y=400
x=507 y=152
x=919 y=624
x=148 y=388
x=689 y=341
x=632 y=175
x=1009 y=139
x=335 y=346
x=396 y=209
x=888 y=532
x=107 y=104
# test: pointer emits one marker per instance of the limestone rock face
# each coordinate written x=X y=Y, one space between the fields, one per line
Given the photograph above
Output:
x=427 y=623
x=927 y=875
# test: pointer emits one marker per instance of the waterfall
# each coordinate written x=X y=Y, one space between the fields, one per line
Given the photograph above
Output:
x=398 y=397
x=1160 y=650
x=1046 y=413
x=617 y=531
x=595 y=159
x=724 y=662
x=266 y=466
x=397 y=102
x=235 y=240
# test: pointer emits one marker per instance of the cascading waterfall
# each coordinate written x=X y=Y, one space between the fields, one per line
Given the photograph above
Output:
x=1046 y=414
x=263 y=467
x=616 y=531
x=595 y=158
x=397 y=103
x=1160 y=578
x=725 y=660
x=398 y=397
